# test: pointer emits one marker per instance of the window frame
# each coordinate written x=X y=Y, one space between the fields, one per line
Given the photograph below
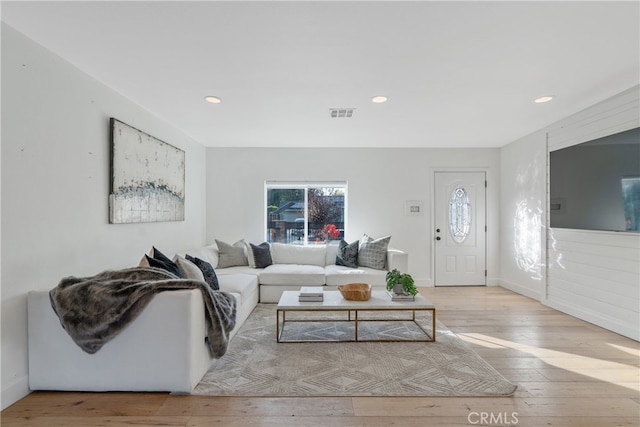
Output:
x=303 y=185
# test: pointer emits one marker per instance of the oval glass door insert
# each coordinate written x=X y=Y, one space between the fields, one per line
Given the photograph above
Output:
x=459 y=215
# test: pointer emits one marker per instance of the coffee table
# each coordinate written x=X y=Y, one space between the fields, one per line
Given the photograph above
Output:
x=380 y=302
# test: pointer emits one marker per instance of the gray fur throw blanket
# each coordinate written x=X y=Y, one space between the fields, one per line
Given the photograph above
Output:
x=93 y=310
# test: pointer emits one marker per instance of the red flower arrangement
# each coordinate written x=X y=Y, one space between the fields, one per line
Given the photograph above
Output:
x=329 y=232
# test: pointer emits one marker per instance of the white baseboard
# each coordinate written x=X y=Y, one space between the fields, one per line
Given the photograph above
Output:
x=583 y=313
x=628 y=330
x=423 y=283
x=14 y=392
x=522 y=290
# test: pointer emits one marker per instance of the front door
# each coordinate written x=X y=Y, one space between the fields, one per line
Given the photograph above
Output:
x=460 y=229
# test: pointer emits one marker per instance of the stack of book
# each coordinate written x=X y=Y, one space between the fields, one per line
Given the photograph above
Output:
x=310 y=294
x=401 y=297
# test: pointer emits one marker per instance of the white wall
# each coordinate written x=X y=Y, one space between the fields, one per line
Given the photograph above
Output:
x=55 y=183
x=379 y=183
x=593 y=275
x=523 y=166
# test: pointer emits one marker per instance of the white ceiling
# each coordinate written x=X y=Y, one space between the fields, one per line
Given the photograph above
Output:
x=457 y=74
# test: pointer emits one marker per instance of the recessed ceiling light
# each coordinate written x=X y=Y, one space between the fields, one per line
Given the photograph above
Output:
x=379 y=99
x=213 y=99
x=543 y=99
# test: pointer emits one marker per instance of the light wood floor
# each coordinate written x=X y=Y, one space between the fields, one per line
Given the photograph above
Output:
x=569 y=372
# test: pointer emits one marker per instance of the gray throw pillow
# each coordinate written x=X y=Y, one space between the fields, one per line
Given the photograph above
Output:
x=372 y=253
x=348 y=254
x=231 y=255
x=261 y=254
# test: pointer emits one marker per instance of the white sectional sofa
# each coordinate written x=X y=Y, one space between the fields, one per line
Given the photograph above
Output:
x=163 y=349
x=295 y=266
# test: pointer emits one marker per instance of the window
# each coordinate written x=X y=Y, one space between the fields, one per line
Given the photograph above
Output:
x=631 y=198
x=305 y=213
x=459 y=215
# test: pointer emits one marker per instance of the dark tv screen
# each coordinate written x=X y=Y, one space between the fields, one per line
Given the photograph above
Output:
x=596 y=185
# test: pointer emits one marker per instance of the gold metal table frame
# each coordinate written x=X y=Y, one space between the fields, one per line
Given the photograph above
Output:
x=334 y=303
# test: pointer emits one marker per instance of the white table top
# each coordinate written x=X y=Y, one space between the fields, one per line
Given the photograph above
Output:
x=334 y=300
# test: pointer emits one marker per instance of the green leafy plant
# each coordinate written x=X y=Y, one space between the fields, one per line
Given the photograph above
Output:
x=395 y=277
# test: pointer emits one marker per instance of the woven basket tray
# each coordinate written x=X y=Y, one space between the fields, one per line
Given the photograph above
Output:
x=355 y=291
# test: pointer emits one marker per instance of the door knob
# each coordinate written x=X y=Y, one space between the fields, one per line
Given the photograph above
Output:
x=438 y=238
x=437 y=230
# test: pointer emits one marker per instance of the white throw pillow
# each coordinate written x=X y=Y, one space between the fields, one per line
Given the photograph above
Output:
x=250 y=258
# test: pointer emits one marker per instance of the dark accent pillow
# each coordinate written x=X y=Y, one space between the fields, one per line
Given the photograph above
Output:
x=155 y=253
x=169 y=266
x=208 y=272
x=347 y=255
x=261 y=254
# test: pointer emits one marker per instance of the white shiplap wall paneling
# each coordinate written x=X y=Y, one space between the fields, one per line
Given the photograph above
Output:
x=595 y=275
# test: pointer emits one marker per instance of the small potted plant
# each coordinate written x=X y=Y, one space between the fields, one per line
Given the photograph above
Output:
x=400 y=283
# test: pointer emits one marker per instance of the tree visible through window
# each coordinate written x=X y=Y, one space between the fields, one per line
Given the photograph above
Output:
x=305 y=213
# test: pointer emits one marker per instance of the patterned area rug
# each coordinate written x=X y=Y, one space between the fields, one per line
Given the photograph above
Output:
x=256 y=365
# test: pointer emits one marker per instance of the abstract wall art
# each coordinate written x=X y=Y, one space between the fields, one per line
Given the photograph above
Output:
x=147 y=177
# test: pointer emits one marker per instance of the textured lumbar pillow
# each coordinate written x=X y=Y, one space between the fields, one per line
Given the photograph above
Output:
x=347 y=255
x=372 y=253
x=207 y=271
x=231 y=255
x=261 y=255
x=188 y=269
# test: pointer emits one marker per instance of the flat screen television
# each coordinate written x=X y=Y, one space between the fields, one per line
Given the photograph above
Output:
x=596 y=185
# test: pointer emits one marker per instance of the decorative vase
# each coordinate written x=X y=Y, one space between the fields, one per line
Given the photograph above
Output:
x=398 y=289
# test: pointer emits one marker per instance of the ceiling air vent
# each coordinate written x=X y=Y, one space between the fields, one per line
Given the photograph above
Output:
x=339 y=113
